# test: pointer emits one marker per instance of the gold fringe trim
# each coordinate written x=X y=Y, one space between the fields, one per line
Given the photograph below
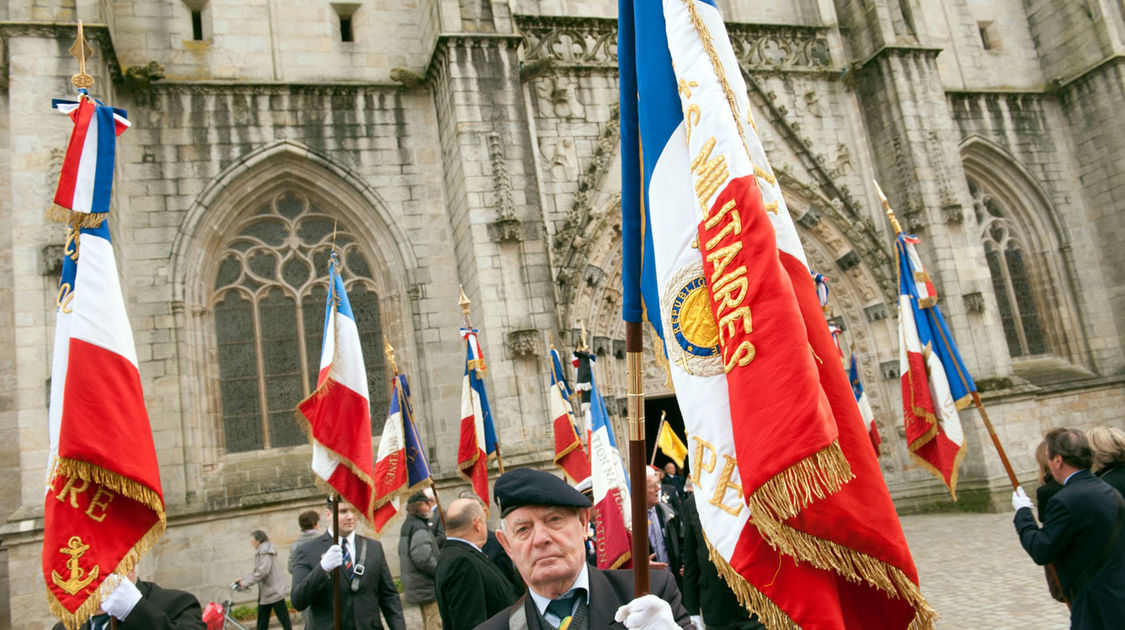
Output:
x=306 y=428
x=627 y=556
x=80 y=220
x=751 y=598
x=952 y=485
x=120 y=484
x=793 y=489
x=72 y=621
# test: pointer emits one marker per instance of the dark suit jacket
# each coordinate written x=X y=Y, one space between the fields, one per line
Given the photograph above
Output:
x=706 y=593
x=359 y=610
x=469 y=587
x=494 y=551
x=1114 y=476
x=1078 y=522
x=160 y=609
x=609 y=590
x=672 y=526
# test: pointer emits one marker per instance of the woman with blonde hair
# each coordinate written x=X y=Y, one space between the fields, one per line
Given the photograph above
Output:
x=1108 y=445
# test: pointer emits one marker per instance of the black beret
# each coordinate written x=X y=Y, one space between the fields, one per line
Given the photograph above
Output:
x=527 y=486
x=417 y=497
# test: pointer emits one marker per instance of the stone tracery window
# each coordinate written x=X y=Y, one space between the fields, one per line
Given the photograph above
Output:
x=1006 y=250
x=268 y=304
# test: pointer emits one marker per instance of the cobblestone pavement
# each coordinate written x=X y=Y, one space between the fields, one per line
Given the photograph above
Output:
x=976 y=576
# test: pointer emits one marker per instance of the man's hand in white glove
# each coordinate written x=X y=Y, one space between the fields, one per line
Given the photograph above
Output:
x=1020 y=499
x=697 y=621
x=121 y=601
x=332 y=558
x=648 y=612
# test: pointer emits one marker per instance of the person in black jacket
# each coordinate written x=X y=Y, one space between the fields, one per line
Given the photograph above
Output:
x=366 y=586
x=706 y=593
x=1108 y=445
x=469 y=587
x=665 y=529
x=140 y=605
x=544 y=526
x=1081 y=534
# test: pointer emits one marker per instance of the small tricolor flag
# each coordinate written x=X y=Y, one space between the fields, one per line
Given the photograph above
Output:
x=417 y=464
x=86 y=180
x=104 y=505
x=612 y=512
x=935 y=382
x=798 y=519
x=570 y=455
x=390 y=463
x=583 y=362
x=478 y=435
x=864 y=404
x=337 y=416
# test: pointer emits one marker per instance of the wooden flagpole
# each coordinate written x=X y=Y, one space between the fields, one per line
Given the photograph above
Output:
x=464 y=303
x=638 y=482
x=948 y=346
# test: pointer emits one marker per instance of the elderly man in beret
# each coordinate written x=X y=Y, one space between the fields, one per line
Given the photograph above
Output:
x=543 y=528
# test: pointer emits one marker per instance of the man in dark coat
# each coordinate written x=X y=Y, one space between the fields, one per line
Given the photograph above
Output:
x=366 y=586
x=544 y=528
x=1081 y=534
x=469 y=587
x=706 y=593
x=665 y=529
x=145 y=606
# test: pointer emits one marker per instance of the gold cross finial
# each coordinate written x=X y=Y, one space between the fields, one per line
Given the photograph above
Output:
x=464 y=304
x=82 y=51
x=390 y=352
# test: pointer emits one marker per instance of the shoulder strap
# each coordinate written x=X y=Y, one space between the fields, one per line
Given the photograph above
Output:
x=1092 y=569
x=517 y=616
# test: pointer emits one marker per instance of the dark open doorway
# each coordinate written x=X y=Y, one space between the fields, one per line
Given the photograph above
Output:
x=653 y=409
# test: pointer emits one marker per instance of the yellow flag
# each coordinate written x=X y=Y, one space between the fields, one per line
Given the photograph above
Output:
x=669 y=442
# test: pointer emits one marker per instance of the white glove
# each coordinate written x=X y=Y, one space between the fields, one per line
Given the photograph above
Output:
x=121 y=601
x=647 y=612
x=1020 y=500
x=697 y=621
x=332 y=558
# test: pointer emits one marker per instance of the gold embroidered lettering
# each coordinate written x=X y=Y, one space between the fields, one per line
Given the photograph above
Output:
x=734 y=226
x=766 y=175
x=698 y=465
x=741 y=357
x=710 y=173
x=730 y=320
x=730 y=294
x=64 y=297
x=74 y=489
x=721 y=258
x=100 y=501
x=691 y=118
x=725 y=483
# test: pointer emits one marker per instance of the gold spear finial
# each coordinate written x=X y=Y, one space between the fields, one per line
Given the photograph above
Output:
x=390 y=352
x=582 y=337
x=887 y=207
x=464 y=304
x=82 y=51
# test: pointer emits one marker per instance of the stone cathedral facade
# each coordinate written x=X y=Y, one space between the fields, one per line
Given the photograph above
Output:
x=475 y=142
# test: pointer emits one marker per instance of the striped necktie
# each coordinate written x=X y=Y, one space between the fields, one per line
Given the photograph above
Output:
x=349 y=567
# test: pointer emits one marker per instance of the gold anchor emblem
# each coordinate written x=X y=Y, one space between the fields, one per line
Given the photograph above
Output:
x=75 y=549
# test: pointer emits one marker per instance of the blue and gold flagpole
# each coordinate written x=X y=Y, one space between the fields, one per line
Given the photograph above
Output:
x=957 y=364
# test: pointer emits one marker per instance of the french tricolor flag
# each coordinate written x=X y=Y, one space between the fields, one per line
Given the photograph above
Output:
x=478 y=436
x=570 y=456
x=101 y=509
x=935 y=382
x=612 y=513
x=390 y=463
x=337 y=415
x=86 y=179
x=865 y=410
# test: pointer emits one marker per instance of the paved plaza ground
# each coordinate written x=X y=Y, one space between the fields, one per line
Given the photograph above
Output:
x=977 y=577
x=973 y=572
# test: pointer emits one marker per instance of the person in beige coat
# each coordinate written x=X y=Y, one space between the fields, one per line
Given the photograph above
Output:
x=269 y=575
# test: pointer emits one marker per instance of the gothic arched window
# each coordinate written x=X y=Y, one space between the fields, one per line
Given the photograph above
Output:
x=1006 y=250
x=268 y=304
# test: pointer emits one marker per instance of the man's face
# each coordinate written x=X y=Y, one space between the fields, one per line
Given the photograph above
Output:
x=652 y=496
x=547 y=546
x=347 y=518
x=670 y=469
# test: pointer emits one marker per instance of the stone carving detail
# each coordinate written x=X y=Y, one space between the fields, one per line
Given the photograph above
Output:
x=506 y=230
x=592 y=42
x=594 y=276
x=974 y=302
x=809 y=219
x=560 y=95
x=848 y=260
x=523 y=343
x=953 y=213
x=50 y=259
x=876 y=312
x=889 y=370
x=507 y=227
x=559 y=159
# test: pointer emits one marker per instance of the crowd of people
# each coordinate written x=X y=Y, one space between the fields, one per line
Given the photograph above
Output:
x=535 y=573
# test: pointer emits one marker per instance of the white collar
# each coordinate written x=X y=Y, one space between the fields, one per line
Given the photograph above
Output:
x=582 y=581
x=350 y=538
x=1070 y=475
x=467 y=542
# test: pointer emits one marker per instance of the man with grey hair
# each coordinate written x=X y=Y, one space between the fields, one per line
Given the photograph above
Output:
x=469 y=587
x=544 y=530
x=1081 y=534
